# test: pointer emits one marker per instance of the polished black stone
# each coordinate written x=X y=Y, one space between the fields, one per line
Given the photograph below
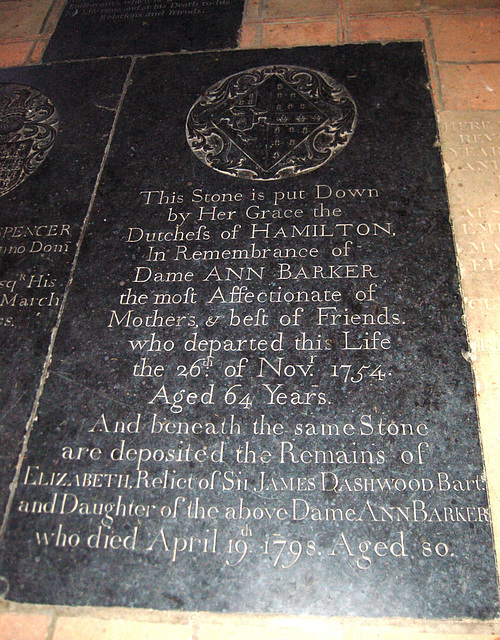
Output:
x=263 y=406
x=41 y=214
x=124 y=27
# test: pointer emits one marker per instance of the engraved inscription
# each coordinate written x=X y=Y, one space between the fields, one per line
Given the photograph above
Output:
x=141 y=9
x=271 y=122
x=28 y=129
x=93 y=28
x=262 y=404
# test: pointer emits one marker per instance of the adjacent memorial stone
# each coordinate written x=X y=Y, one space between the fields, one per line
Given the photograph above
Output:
x=471 y=140
x=470 y=143
x=258 y=399
x=52 y=139
x=28 y=129
x=95 y=28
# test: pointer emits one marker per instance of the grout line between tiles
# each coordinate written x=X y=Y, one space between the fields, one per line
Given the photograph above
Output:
x=471 y=63
x=47 y=17
x=433 y=66
x=51 y=629
x=342 y=29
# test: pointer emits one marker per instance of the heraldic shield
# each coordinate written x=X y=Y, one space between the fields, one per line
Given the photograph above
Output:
x=271 y=122
x=28 y=129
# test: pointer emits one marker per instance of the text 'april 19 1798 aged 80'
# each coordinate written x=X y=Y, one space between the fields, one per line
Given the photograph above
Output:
x=259 y=397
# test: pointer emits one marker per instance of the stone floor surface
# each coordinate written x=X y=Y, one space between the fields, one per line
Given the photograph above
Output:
x=463 y=48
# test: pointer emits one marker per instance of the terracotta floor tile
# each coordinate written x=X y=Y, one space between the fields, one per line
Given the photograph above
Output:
x=299 y=631
x=287 y=34
x=96 y=629
x=393 y=633
x=475 y=86
x=13 y=54
x=18 y=626
x=388 y=28
x=252 y=9
x=467 y=38
x=294 y=8
x=437 y=5
x=250 y=36
x=36 y=54
x=20 y=19
x=353 y=7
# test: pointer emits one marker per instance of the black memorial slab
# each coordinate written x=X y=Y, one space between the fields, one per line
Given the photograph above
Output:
x=258 y=399
x=89 y=29
x=52 y=139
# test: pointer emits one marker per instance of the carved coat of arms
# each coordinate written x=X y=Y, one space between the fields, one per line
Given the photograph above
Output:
x=28 y=129
x=271 y=122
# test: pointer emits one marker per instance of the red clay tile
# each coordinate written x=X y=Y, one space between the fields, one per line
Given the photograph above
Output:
x=252 y=9
x=35 y=57
x=460 y=5
x=87 y=628
x=22 y=19
x=295 y=8
x=387 y=28
x=467 y=38
x=250 y=36
x=21 y=626
x=13 y=54
x=356 y=7
x=474 y=86
x=288 y=34
x=299 y=630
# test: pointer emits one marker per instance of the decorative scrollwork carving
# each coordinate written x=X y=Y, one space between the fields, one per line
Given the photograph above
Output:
x=271 y=122
x=28 y=129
